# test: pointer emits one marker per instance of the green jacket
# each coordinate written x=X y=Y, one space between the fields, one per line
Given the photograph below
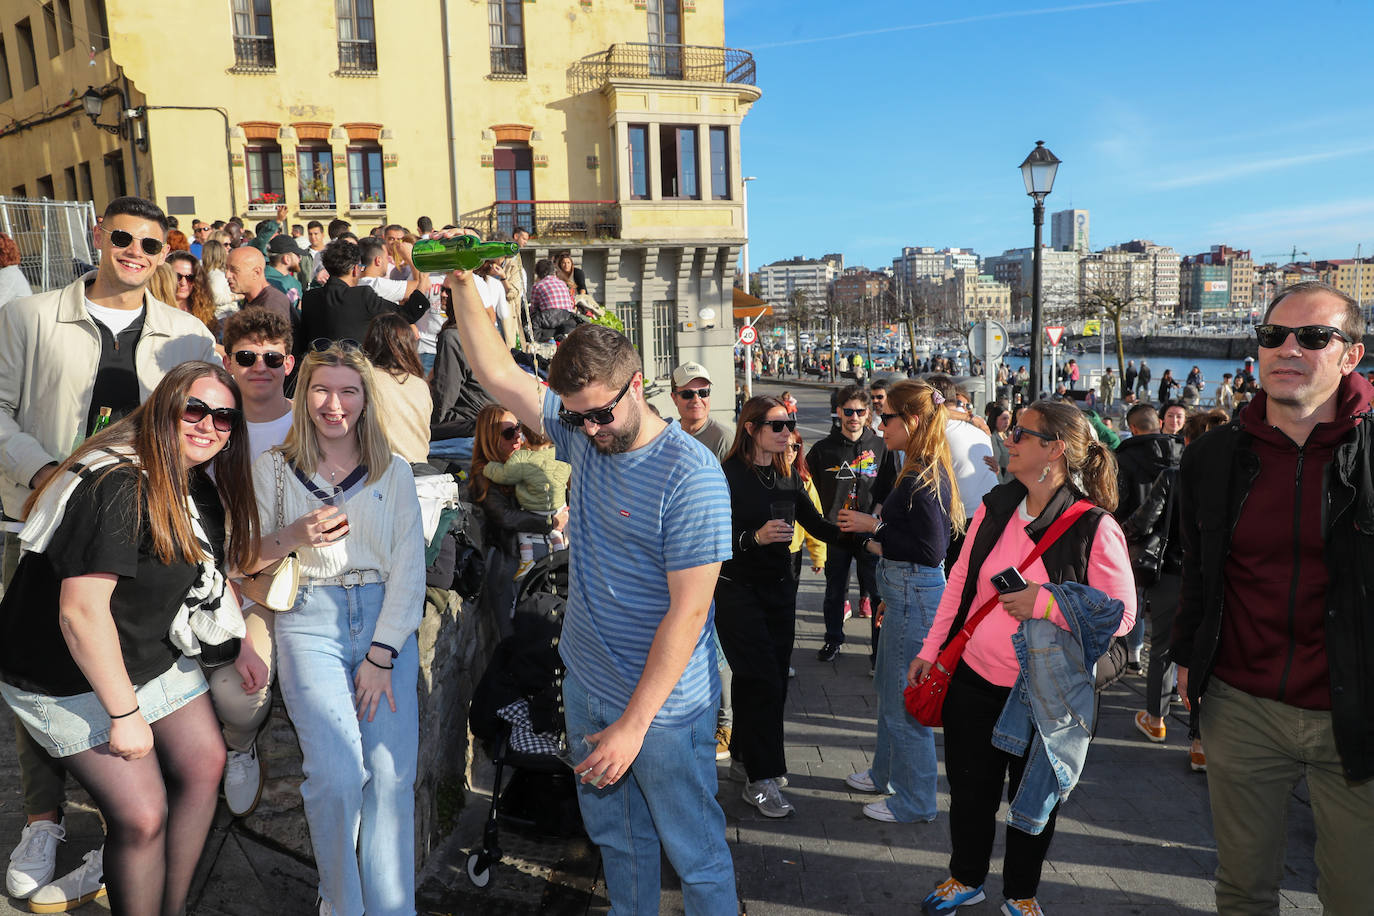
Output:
x=540 y=479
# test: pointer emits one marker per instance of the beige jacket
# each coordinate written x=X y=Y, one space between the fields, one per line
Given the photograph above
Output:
x=49 y=349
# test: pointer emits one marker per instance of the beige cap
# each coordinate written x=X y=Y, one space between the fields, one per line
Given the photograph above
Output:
x=684 y=374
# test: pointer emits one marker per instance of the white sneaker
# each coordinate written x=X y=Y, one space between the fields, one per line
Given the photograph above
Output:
x=243 y=779
x=81 y=885
x=863 y=782
x=35 y=858
x=879 y=811
x=325 y=908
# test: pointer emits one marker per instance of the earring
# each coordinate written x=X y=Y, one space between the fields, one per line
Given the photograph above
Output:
x=1043 y=474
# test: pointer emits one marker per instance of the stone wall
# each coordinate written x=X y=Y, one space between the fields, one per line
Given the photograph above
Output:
x=455 y=642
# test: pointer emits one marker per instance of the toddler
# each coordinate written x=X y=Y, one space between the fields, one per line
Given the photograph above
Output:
x=541 y=485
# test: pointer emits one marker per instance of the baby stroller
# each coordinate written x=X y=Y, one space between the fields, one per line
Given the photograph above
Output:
x=517 y=712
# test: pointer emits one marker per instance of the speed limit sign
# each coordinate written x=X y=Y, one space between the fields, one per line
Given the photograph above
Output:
x=747 y=335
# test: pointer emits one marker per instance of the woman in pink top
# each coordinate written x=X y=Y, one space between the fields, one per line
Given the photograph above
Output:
x=1055 y=461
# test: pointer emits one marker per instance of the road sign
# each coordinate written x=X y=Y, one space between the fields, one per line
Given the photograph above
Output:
x=747 y=335
x=1055 y=335
x=987 y=340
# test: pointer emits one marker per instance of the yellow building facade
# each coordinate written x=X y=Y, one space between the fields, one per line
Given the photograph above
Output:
x=610 y=127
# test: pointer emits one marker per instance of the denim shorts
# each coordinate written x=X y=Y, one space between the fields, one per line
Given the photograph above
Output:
x=70 y=725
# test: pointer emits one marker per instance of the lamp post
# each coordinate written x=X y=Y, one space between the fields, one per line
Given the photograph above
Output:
x=1038 y=173
x=748 y=349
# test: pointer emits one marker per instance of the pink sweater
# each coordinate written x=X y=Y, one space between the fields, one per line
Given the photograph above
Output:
x=989 y=651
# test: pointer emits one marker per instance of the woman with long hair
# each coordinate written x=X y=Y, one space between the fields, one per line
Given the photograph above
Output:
x=192 y=290
x=911 y=537
x=1055 y=462
x=569 y=272
x=346 y=653
x=163 y=285
x=122 y=583
x=214 y=259
x=756 y=594
x=999 y=421
x=795 y=456
x=1167 y=384
x=402 y=393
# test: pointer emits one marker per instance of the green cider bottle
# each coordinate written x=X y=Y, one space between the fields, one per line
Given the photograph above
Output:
x=462 y=252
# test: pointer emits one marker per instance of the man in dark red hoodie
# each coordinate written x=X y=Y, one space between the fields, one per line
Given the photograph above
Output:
x=1277 y=524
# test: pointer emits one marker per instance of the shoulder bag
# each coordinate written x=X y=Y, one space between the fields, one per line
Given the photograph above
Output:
x=275 y=585
x=926 y=700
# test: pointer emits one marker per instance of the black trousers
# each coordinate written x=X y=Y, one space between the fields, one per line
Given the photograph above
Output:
x=977 y=772
x=756 y=625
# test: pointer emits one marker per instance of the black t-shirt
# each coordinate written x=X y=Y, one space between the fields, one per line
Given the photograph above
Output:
x=99 y=534
x=752 y=495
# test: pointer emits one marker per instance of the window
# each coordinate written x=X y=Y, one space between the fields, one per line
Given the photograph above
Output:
x=254 y=45
x=628 y=313
x=114 y=174
x=64 y=24
x=50 y=26
x=265 y=184
x=506 y=22
x=87 y=190
x=678 y=162
x=514 y=166
x=69 y=183
x=639 y=162
x=19 y=191
x=664 y=332
x=6 y=91
x=28 y=56
x=315 y=166
x=97 y=27
x=357 y=36
x=665 y=35
x=46 y=189
x=366 y=190
x=720 y=163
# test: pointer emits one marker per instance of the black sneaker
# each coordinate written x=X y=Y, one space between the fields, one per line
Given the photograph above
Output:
x=828 y=652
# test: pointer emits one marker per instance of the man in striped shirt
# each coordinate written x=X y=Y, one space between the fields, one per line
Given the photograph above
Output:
x=650 y=512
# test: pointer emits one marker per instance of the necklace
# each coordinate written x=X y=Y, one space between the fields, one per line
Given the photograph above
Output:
x=768 y=479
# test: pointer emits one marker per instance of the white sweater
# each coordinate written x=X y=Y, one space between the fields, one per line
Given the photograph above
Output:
x=384 y=536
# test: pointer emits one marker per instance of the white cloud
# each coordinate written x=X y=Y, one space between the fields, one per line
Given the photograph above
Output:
x=1242 y=168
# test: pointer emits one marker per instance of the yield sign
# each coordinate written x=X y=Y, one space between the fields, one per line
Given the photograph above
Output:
x=1055 y=335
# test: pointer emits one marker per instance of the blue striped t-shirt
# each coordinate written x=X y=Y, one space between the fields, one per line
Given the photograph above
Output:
x=632 y=519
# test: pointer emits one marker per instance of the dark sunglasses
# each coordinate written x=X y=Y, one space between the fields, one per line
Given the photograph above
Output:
x=794 y=446
x=779 y=425
x=688 y=393
x=1310 y=336
x=511 y=433
x=248 y=359
x=121 y=239
x=854 y=411
x=325 y=344
x=1020 y=432
x=601 y=416
x=888 y=417
x=223 y=418
x=186 y=278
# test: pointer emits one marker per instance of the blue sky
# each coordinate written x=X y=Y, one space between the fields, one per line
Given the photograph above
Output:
x=1189 y=122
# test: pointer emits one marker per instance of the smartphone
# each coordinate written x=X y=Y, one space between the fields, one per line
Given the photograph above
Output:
x=1008 y=580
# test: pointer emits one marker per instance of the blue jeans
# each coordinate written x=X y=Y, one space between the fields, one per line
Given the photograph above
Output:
x=427 y=360
x=459 y=449
x=359 y=788
x=904 y=759
x=668 y=800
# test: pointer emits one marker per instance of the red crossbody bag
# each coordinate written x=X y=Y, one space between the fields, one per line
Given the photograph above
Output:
x=926 y=701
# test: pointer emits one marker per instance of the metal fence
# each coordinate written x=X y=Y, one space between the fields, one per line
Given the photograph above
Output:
x=54 y=238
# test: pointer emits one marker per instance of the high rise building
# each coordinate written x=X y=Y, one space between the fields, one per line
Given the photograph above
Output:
x=1069 y=231
x=779 y=280
x=1158 y=274
x=1221 y=279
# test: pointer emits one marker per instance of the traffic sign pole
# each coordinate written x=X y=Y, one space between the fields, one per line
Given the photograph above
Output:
x=748 y=357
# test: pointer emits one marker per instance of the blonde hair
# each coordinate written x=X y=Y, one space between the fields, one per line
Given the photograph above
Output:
x=302 y=448
x=927 y=448
x=163 y=285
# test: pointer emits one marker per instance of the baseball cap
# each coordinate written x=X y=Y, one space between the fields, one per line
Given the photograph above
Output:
x=684 y=374
x=282 y=244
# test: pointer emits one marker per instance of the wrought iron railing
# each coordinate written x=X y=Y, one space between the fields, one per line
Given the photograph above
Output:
x=508 y=61
x=642 y=60
x=357 y=56
x=255 y=53
x=572 y=219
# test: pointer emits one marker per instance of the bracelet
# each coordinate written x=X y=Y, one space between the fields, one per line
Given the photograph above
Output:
x=382 y=645
x=368 y=659
x=1048 y=608
x=124 y=715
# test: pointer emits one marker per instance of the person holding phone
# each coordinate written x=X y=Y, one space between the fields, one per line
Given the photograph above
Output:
x=756 y=594
x=1055 y=462
x=346 y=652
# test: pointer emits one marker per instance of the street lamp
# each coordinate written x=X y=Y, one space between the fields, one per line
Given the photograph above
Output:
x=748 y=349
x=93 y=103
x=1038 y=172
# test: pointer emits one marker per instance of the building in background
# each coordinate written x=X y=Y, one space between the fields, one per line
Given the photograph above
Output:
x=619 y=140
x=1222 y=279
x=1058 y=281
x=1069 y=231
x=1157 y=273
x=960 y=297
x=779 y=280
x=858 y=285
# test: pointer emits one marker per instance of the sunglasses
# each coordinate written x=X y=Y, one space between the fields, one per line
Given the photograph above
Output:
x=325 y=344
x=185 y=278
x=854 y=411
x=779 y=425
x=794 y=446
x=223 y=418
x=511 y=433
x=888 y=417
x=1020 y=432
x=688 y=394
x=602 y=416
x=248 y=359
x=121 y=239
x=1309 y=336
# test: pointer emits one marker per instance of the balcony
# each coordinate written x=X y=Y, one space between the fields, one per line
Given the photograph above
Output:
x=254 y=54
x=644 y=61
x=358 y=57
x=549 y=219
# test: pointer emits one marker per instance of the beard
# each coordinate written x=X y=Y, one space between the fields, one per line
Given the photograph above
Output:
x=621 y=441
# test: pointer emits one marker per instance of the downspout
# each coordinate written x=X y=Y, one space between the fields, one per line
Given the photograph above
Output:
x=448 y=112
x=133 y=146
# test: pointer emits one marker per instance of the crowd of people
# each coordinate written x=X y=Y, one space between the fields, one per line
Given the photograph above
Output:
x=195 y=413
